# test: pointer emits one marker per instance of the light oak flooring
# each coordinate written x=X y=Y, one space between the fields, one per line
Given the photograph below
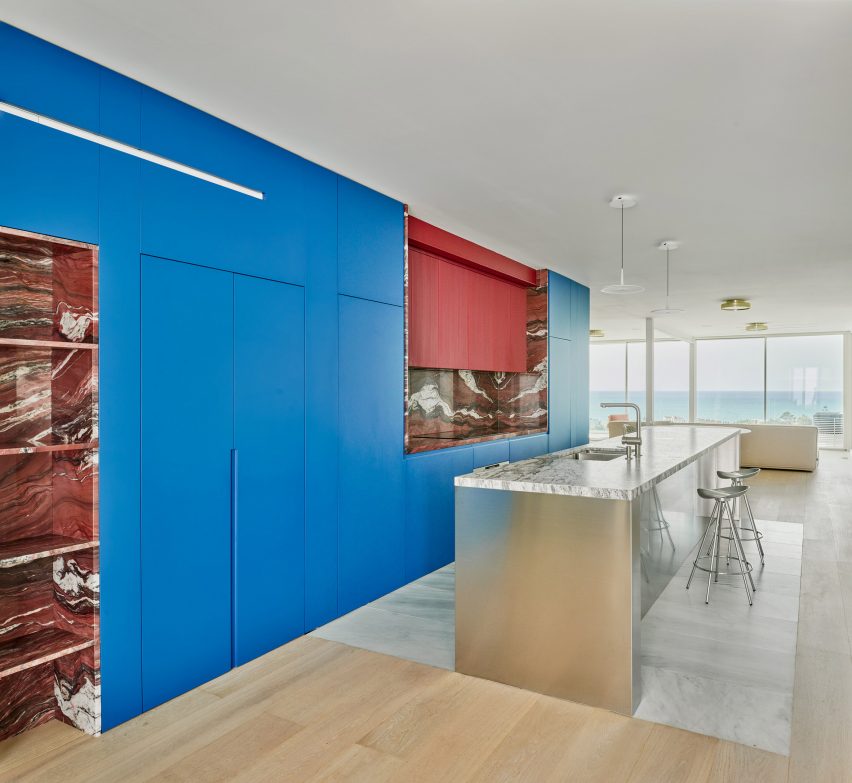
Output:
x=317 y=710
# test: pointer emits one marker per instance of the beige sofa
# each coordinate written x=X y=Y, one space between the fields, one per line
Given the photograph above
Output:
x=776 y=446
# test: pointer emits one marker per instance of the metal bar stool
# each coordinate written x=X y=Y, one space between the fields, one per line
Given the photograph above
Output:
x=722 y=497
x=658 y=522
x=737 y=477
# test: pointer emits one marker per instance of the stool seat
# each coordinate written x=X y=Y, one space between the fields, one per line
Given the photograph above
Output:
x=723 y=493
x=738 y=475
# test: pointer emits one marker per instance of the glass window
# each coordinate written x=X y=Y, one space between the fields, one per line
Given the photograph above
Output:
x=671 y=380
x=730 y=380
x=636 y=376
x=804 y=384
x=606 y=382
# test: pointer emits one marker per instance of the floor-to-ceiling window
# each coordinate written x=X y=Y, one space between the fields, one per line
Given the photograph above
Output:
x=804 y=384
x=671 y=380
x=607 y=382
x=730 y=381
x=784 y=380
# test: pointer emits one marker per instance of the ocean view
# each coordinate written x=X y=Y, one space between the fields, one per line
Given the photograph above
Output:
x=725 y=406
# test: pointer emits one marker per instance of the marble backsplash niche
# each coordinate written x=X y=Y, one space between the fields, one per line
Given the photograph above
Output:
x=448 y=407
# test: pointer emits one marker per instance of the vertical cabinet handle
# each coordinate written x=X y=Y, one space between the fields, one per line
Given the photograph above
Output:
x=235 y=484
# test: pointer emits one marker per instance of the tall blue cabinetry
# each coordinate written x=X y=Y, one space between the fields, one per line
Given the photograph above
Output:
x=568 y=362
x=222 y=472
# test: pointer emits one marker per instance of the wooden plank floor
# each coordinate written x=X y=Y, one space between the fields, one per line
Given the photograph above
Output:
x=316 y=710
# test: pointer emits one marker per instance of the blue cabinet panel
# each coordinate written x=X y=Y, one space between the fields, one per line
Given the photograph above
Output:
x=370 y=244
x=580 y=365
x=430 y=508
x=560 y=393
x=119 y=380
x=527 y=448
x=269 y=438
x=43 y=78
x=273 y=238
x=321 y=423
x=187 y=421
x=371 y=469
x=489 y=453
x=49 y=181
x=560 y=291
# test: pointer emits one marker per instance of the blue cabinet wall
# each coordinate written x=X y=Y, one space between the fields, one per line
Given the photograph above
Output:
x=187 y=439
x=268 y=557
x=370 y=466
x=373 y=519
x=568 y=362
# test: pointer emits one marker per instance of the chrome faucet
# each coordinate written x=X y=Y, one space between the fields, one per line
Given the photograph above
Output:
x=631 y=440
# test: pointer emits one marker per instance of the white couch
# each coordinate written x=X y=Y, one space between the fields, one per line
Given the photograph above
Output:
x=776 y=446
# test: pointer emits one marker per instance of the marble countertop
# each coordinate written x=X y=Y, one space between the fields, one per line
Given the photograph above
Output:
x=665 y=450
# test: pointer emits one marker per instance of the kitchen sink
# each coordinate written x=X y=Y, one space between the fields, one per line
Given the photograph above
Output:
x=598 y=455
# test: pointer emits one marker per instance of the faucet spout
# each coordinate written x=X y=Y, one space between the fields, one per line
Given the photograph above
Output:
x=632 y=439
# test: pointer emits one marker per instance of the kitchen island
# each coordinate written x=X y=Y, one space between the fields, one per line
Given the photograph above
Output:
x=559 y=557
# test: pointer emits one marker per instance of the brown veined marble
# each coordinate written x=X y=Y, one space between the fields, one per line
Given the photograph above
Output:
x=28 y=700
x=27 y=602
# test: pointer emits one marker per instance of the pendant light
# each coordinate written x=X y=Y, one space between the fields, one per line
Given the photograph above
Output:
x=668 y=246
x=622 y=202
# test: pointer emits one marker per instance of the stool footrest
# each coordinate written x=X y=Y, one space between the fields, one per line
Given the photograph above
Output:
x=712 y=570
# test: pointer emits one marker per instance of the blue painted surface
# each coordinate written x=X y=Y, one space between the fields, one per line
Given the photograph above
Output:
x=269 y=436
x=430 y=508
x=49 y=181
x=529 y=447
x=119 y=382
x=372 y=509
x=313 y=229
x=560 y=291
x=489 y=453
x=580 y=366
x=560 y=366
x=187 y=414
x=321 y=422
x=370 y=244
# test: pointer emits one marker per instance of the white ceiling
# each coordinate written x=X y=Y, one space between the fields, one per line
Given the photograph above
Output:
x=513 y=122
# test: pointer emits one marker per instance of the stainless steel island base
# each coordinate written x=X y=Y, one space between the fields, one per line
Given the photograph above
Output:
x=549 y=587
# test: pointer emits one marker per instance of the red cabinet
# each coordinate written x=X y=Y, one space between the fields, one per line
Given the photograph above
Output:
x=461 y=318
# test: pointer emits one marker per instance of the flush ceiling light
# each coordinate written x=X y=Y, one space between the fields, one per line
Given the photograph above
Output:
x=756 y=326
x=668 y=246
x=622 y=202
x=736 y=304
x=596 y=332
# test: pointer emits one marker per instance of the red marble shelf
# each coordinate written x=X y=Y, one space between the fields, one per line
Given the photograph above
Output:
x=15 y=342
x=41 y=448
x=25 y=550
x=37 y=648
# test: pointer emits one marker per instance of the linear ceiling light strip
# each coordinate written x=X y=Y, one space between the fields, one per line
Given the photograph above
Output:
x=105 y=141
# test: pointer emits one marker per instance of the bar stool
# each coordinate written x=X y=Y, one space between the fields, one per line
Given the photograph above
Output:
x=658 y=522
x=722 y=497
x=737 y=477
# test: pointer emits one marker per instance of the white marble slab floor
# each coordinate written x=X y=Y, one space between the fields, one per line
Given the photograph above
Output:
x=723 y=669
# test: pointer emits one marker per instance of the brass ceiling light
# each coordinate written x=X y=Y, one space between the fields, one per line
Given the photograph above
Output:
x=757 y=326
x=596 y=332
x=736 y=304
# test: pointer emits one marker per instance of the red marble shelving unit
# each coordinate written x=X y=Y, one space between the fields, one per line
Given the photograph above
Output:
x=49 y=586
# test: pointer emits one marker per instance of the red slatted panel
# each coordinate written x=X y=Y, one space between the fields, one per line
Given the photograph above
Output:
x=462 y=319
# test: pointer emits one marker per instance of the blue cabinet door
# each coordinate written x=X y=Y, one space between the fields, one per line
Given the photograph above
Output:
x=187 y=415
x=561 y=394
x=430 y=529
x=370 y=461
x=269 y=438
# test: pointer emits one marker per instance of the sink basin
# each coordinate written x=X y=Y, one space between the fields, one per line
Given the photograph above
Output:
x=598 y=455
